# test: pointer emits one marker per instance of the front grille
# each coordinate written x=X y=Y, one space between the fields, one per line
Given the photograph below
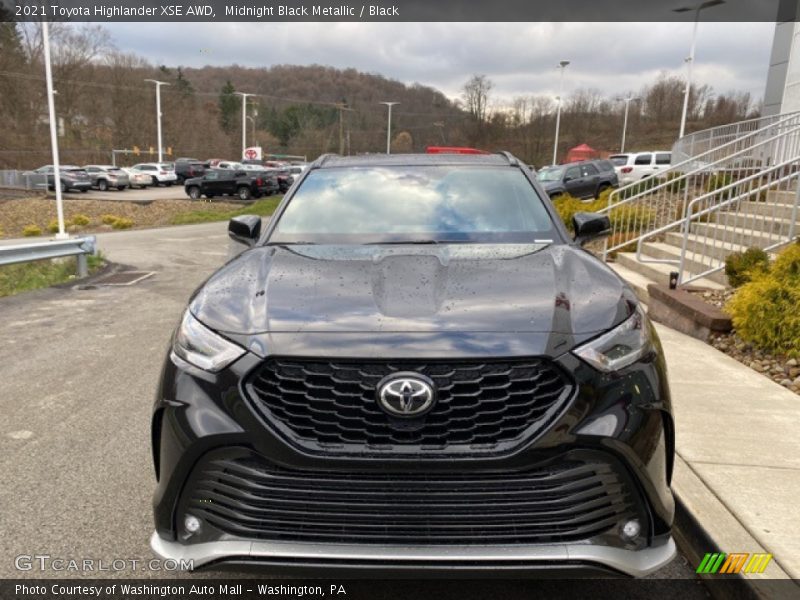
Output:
x=246 y=496
x=482 y=406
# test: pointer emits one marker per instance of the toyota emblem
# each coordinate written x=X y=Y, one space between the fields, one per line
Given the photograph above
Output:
x=406 y=394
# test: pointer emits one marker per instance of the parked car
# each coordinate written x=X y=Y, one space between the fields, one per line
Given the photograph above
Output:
x=284 y=177
x=634 y=166
x=414 y=365
x=138 y=179
x=160 y=173
x=229 y=164
x=104 y=177
x=72 y=177
x=584 y=179
x=228 y=182
x=186 y=168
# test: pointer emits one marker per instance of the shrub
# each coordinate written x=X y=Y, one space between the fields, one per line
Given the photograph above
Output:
x=32 y=231
x=122 y=223
x=674 y=184
x=741 y=267
x=81 y=220
x=718 y=181
x=108 y=219
x=641 y=186
x=52 y=226
x=764 y=311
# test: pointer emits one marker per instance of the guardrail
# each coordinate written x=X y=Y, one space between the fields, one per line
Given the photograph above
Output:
x=80 y=247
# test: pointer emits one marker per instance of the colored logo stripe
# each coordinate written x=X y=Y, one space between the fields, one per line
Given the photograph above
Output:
x=719 y=562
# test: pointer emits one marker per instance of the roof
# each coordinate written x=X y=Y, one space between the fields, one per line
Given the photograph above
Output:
x=394 y=160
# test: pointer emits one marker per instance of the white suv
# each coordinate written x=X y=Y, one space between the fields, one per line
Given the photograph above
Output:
x=638 y=165
x=160 y=173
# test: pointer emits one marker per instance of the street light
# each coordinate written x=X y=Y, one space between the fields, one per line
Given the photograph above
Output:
x=561 y=65
x=158 y=113
x=244 y=118
x=51 y=107
x=690 y=59
x=627 y=101
x=389 y=126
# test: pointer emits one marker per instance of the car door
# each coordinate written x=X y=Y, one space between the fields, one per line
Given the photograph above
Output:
x=93 y=172
x=211 y=183
x=591 y=179
x=573 y=181
x=643 y=165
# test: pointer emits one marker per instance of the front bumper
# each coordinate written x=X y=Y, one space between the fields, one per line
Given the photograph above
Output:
x=623 y=419
x=634 y=563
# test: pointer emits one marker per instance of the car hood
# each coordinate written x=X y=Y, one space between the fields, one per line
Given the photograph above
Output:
x=443 y=289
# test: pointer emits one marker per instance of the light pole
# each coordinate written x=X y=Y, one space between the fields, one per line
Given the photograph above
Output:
x=627 y=101
x=158 y=113
x=244 y=118
x=561 y=65
x=253 y=122
x=51 y=107
x=690 y=59
x=389 y=126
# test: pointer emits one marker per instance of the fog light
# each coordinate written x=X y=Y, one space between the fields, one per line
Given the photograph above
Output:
x=631 y=530
x=191 y=524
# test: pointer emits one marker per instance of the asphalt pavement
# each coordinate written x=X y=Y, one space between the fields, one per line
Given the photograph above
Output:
x=161 y=192
x=78 y=371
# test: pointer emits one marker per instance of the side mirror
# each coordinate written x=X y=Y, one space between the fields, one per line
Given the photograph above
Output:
x=590 y=226
x=245 y=229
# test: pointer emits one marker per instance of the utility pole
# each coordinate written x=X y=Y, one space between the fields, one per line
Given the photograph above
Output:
x=440 y=126
x=51 y=108
x=158 y=113
x=342 y=106
x=627 y=101
x=389 y=126
x=561 y=65
x=244 y=118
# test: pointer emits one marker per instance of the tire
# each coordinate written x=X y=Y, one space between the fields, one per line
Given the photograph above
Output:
x=244 y=193
x=102 y=185
x=194 y=192
x=169 y=184
x=155 y=181
x=602 y=188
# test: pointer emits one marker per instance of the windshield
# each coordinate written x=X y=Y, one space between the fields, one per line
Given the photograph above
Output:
x=414 y=204
x=551 y=174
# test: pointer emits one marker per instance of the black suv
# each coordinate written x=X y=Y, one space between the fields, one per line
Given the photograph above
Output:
x=584 y=179
x=186 y=168
x=413 y=366
x=226 y=182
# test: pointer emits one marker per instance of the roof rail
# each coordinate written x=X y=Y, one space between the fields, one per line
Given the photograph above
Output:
x=321 y=160
x=512 y=160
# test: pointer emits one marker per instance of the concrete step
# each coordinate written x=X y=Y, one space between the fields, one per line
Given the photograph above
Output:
x=637 y=281
x=768 y=209
x=659 y=272
x=742 y=236
x=758 y=223
x=781 y=196
x=718 y=249
x=694 y=262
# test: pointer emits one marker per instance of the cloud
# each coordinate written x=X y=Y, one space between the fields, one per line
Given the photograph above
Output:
x=519 y=58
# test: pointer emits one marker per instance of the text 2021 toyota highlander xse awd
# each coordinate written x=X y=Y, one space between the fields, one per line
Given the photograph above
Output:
x=414 y=366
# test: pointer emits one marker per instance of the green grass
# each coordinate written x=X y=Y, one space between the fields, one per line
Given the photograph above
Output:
x=24 y=277
x=264 y=208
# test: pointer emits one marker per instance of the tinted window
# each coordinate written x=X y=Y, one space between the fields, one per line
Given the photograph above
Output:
x=573 y=173
x=643 y=159
x=605 y=165
x=663 y=158
x=550 y=174
x=378 y=204
x=589 y=170
x=619 y=160
x=211 y=175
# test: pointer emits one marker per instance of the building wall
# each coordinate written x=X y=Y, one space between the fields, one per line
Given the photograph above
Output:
x=782 y=93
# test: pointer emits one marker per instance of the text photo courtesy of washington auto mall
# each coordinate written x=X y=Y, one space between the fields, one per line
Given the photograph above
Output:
x=446 y=300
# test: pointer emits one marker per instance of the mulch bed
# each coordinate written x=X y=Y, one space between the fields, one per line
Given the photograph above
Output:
x=781 y=369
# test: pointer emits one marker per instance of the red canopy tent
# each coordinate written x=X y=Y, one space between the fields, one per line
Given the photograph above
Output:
x=582 y=152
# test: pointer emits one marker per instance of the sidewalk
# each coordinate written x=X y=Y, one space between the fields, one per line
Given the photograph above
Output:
x=738 y=445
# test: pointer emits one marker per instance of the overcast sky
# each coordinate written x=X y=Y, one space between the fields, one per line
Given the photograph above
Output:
x=520 y=58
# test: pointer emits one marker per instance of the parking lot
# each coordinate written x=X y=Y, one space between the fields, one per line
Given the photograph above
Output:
x=148 y=194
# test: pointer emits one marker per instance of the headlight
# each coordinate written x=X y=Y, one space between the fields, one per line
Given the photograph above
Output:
x=198 y=345
x=620 y=347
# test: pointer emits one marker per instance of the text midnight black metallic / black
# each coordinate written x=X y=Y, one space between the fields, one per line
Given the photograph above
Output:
x=413 y=366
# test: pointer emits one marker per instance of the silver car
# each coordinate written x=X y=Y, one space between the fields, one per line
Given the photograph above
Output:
x=105 y=177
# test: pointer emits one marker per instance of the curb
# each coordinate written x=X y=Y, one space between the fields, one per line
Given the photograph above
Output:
x=704 y=524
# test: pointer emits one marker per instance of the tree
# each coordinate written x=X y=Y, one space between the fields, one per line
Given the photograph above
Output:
x=228 y=107
x=476 y=96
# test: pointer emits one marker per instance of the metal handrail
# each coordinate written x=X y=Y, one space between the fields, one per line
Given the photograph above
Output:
x=80 y=247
